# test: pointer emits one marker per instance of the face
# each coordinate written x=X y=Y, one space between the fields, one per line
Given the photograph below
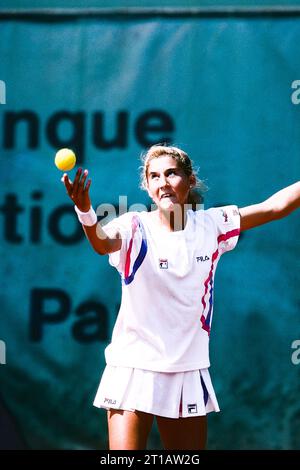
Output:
x=168 y=185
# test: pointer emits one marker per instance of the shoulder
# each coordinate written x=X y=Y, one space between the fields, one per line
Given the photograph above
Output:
x=226 y=223
x=221 y=218
x=123 y=219
x=224 y=214
x=122 y=224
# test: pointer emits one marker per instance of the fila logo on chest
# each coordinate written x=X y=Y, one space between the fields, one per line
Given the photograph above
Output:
x=163 y=263
x=200 y=259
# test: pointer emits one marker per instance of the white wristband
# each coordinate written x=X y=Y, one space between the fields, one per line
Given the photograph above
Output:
x=87 y=218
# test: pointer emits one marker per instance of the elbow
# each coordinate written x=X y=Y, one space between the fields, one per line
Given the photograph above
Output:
x=106 y=247
x=101 y=250
x=279 y=212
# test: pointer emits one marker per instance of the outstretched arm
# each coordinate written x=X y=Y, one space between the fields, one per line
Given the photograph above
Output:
x=275 y=207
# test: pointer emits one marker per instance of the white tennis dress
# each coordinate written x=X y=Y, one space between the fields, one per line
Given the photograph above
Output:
x=158 y=358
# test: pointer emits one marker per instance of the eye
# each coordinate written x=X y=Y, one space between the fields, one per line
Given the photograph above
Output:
x=171 y=173
x=153 y=176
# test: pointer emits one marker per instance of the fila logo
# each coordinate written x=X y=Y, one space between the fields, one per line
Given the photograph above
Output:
x=202 y=258
x=163 y=264
x=192 y=408
x=109 y=401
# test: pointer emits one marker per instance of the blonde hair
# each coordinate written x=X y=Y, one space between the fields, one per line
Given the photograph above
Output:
x=184 y=162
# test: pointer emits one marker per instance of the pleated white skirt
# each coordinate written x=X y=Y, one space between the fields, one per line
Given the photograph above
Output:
x=172 y=395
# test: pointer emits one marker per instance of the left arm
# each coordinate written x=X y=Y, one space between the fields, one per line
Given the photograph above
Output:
x=275 y=207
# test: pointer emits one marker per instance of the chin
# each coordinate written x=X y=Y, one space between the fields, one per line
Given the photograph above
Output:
x=168 y=206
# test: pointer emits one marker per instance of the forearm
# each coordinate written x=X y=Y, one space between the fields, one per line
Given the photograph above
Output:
x=275 y=207
x=100 y=241
x=284 y=201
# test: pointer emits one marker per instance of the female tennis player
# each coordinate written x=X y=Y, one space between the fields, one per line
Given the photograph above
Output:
x=158 y=358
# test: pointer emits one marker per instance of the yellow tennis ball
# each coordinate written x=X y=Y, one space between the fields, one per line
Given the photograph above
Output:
x=65 y=159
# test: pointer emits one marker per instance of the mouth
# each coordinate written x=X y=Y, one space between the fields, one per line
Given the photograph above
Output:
x=166 y=195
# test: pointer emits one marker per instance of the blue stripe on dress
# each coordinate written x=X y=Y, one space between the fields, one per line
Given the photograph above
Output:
x=141 y=256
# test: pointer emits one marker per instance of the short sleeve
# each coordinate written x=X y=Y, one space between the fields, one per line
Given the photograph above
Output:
x=121 y=224
x=227 y=222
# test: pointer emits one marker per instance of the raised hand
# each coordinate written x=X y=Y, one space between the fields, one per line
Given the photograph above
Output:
x=77 y=190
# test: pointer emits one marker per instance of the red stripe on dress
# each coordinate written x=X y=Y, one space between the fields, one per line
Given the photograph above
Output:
x=225 y=236
x=221 y=238
x=128 y=254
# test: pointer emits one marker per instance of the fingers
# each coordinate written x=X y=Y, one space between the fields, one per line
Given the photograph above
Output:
x=82 y=181
x=76 y=183
x=76 y=188
x=88 y=184
x=79 y=183
x=67 y=183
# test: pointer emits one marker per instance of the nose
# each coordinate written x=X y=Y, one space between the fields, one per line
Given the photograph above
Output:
x=163 y=181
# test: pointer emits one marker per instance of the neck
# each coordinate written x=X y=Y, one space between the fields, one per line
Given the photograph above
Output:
x=172 y=221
